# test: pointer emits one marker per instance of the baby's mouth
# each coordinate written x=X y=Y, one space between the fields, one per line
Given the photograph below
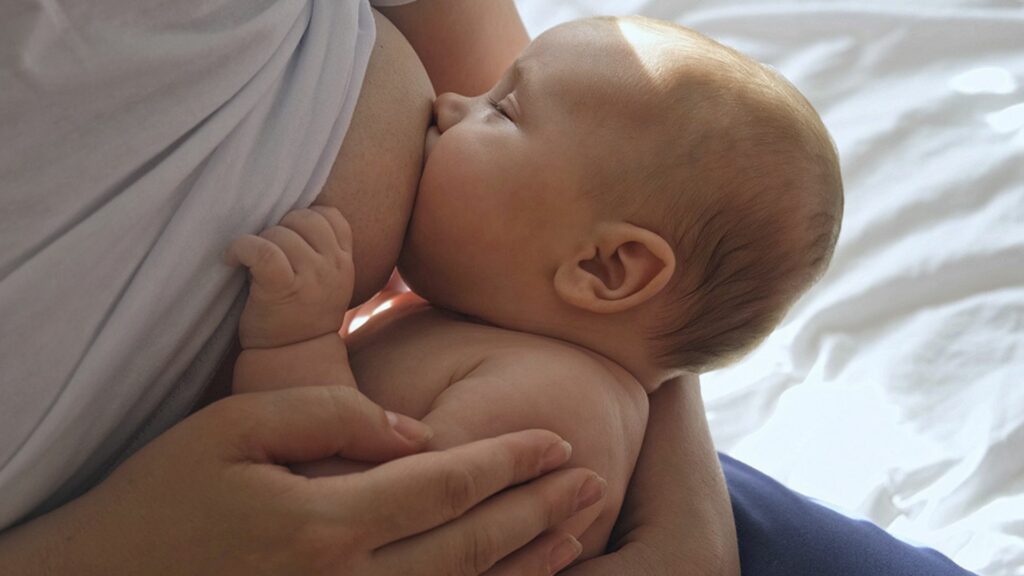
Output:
x=431 y=138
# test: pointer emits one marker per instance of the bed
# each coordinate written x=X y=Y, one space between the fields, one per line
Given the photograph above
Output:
x=895 y=389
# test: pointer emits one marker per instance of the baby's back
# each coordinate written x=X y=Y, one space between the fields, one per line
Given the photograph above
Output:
x=470 y=380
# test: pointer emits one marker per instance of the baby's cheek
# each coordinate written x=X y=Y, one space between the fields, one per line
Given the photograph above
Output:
x=447 y=219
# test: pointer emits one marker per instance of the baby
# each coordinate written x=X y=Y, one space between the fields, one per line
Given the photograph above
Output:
x=632 y=201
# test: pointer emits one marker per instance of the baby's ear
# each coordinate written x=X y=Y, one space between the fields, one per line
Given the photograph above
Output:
x=623 y=267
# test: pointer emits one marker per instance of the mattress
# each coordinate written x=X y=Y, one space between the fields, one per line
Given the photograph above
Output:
x=894 y=390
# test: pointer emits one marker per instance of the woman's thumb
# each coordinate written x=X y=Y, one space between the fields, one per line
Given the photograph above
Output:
x=306 y=424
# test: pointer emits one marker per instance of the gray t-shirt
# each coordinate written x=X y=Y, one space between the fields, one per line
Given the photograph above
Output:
x=139 y=137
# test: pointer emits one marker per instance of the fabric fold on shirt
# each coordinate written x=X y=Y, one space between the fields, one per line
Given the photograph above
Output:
x=141 y=137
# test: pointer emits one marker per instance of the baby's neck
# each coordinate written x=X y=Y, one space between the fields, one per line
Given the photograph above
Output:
x=628 y=354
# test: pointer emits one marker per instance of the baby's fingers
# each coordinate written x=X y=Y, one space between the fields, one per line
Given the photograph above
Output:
x=265 y=260
x=314 y=228
x=341 y=227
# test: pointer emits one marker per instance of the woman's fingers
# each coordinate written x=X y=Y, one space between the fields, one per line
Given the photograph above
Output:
x=421 y=492
x=440 y=510
x=305 y=424
x=547 y=554
x=496 y=528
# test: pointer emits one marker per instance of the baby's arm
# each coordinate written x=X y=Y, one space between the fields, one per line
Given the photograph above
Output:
x=302 y=279
x=559 y=389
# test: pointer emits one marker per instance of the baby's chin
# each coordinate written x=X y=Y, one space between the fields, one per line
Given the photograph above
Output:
x=413 y=274
x=426 y=285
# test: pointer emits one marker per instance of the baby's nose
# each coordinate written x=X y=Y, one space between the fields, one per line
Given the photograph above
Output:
x=449 y=109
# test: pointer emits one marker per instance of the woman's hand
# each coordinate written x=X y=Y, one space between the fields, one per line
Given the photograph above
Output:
x=676 y=519
x=212 y=496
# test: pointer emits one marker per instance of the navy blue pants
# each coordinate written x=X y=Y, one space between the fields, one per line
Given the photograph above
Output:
x=783 y=533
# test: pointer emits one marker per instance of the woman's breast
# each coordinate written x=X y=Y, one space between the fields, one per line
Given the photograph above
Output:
x=374 y=177
x=377 y=171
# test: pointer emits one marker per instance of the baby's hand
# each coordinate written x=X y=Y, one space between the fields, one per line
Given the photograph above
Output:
x=302 y=278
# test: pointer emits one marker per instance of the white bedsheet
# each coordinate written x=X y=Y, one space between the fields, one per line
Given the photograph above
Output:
x=895 y=389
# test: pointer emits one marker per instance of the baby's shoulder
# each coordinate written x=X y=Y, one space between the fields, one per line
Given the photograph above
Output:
x=556 y=368
x=416 y=329
x=512 y=352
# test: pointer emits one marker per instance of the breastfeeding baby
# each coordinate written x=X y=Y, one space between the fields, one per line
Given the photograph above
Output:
x=630 y=202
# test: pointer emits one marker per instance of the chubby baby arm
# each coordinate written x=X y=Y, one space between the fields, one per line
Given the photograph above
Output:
x=600 y=413
x=302 y=280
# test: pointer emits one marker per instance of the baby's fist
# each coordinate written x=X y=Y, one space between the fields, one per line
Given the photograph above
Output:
x=302 y=278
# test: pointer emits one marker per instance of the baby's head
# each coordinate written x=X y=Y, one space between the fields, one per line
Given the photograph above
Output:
x=631 y=186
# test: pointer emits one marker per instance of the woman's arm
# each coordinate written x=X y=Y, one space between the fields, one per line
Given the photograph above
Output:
x=211 y=496
x=465 y=45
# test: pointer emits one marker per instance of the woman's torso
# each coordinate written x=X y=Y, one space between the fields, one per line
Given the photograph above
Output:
x=135 y=168
x=375 y=174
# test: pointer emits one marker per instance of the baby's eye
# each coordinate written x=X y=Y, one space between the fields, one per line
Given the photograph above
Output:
x=497 y=106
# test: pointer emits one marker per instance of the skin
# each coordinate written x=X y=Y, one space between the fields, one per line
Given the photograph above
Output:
x=235 y=510
x=490 y=32
x=472 y=381
x=173 y=509
x=375 y=176
x=490 y=175
x=504 y=228
x=210 y=495
x=512 y=390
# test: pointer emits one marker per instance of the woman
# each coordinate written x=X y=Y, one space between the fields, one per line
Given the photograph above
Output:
x=150 y=134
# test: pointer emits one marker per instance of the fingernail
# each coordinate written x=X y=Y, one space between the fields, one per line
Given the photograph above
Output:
x=413 y=431
x=556 y=455
x=591 y=491
x=563 y=554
